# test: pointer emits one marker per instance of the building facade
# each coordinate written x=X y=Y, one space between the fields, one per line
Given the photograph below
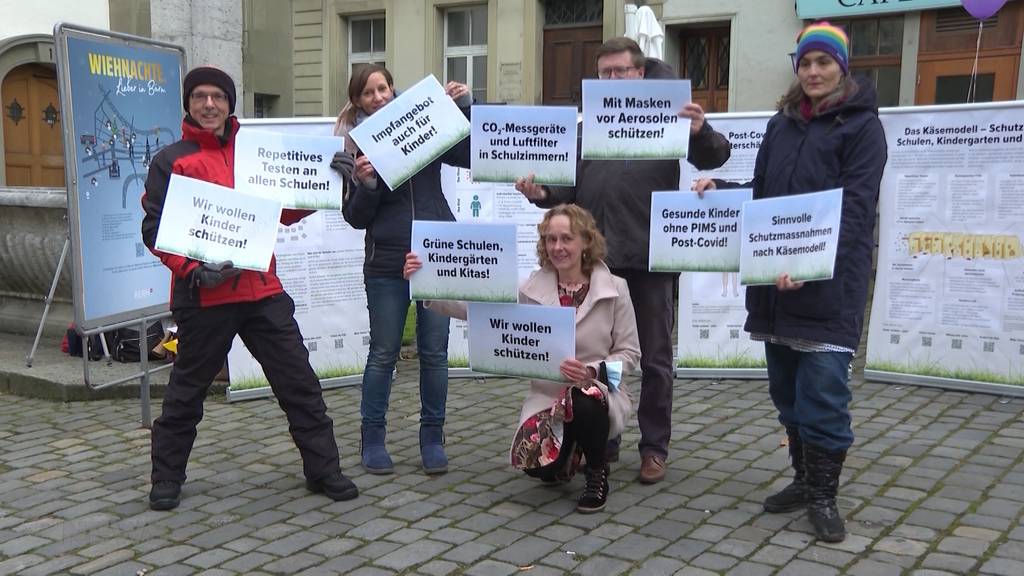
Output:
x=32 y=196
x=734 y=51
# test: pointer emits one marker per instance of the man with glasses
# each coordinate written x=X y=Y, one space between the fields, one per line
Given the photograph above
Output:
x=212 y=302
x=618 y=193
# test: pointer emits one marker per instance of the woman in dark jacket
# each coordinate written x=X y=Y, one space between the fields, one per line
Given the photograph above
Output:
x=826 y=135
x=387 y=215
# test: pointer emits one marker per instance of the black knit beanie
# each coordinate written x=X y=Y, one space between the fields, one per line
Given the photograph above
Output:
x=212 y=76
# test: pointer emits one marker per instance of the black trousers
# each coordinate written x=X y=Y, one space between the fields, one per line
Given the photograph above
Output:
x=271 y=334
x=653 y=294
x=588 y=430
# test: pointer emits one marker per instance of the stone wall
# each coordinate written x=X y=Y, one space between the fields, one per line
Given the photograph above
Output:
x=33 y=228
x=210 y=31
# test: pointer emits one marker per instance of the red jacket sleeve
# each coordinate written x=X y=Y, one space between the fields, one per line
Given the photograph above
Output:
x=290 y=216
x=153 y=205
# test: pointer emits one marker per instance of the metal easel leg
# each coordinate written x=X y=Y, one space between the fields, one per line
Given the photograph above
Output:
x=106 y=349
x=49 y=300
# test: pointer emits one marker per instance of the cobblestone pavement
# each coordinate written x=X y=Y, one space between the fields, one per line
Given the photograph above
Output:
x=934 y=485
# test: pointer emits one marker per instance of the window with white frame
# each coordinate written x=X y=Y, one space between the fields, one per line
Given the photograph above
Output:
x=366 y=42
x=465 y=48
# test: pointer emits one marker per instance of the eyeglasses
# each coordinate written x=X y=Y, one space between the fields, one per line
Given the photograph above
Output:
x=218 y=97
x=615 y=72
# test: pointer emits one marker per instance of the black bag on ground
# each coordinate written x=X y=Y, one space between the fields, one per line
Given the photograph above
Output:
x=75 y=345
x=126 y=342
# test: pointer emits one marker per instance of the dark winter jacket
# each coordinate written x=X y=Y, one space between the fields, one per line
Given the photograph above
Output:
x=618 y=192
x=843 y=147
x=387 y=214
x=202 y=155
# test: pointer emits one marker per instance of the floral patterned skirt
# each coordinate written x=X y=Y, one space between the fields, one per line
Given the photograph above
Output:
x=538 y=441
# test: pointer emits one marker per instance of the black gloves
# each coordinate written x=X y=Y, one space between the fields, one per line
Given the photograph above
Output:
x=212 y=274
x=343 y=164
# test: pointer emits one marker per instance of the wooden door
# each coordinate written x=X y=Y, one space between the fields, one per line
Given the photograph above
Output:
x=704 y=59
x=570 y=55
x=947 y=81
x=948 y=42
x=33 y=147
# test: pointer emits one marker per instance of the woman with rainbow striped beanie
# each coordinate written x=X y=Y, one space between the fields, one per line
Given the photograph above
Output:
x=825 y=135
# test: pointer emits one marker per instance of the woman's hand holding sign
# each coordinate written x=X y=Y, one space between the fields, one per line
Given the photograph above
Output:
x=456 y=90
x=365 y=172
x=575 y=371
x=695 y=113
x=412 y=265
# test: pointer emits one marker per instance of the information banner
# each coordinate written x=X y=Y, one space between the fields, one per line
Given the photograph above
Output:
x=411 y=131
x=711 y=339
x=510 y=142
x=948 y=306
x=712 y=342
x=473 y=262
x=294 y=169
x=211 y=223
x=320 y=264
x=521 y=340
x=120 y=99
x=694 y=234
x=485 y=202
x=795 y=234
x=635 y=119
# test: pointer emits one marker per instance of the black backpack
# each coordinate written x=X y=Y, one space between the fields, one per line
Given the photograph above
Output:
x=126 y=342
x=95 y=348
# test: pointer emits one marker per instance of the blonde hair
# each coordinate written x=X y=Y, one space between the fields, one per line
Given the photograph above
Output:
x=583 y=225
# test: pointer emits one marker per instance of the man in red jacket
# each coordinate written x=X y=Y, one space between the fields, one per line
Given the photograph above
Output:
x=212 y=302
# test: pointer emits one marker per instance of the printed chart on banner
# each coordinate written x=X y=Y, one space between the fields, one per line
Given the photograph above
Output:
x=487 y=202
x=711 y=339
x=710 y=324
x=320 y=264
x=949 y=295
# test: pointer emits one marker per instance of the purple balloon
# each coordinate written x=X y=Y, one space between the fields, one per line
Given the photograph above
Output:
x=982 y=9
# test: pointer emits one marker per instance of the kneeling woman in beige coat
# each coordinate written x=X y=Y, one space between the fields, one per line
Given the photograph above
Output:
x=562 y=422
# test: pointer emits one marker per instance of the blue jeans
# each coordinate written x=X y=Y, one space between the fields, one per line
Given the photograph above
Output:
x=387 y=299
x=812 y=393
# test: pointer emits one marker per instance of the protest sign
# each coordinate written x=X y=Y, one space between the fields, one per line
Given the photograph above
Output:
x=509 y=142
x=292 y=168
x=693 y=234
x=212 y=223
x=521 y=340
x=794 y=234
x=411 y=131
x=635 y=119
x=475 y=262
